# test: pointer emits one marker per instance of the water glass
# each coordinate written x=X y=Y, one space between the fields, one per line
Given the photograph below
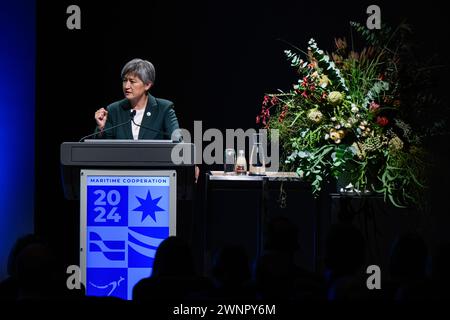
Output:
x=229 y=161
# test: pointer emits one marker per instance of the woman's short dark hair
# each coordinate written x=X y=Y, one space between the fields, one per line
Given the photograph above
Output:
x=143 y=69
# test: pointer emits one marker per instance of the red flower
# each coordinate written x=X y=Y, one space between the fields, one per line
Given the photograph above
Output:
x=304 y=94
x=274 y=100
x=382 y=121
x=257 y=119
x=305 y=82
x=283 y=113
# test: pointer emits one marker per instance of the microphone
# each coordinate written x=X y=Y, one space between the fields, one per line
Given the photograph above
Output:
x=132 y=114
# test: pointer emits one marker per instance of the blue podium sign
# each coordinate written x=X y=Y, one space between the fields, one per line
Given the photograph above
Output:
x=124 y=216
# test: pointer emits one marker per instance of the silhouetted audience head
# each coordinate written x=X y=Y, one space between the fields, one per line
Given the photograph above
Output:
x=20 y=244
x=440 y=271
x=345 y=250
x=409 y=257
x=441 y=263
x=277 y=274
x=9 y=287
x=173 y=276
x=36 y=271
x=231 y=266
x=281 y=235
x=173 y=258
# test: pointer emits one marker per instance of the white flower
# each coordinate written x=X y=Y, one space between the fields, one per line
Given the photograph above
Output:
x=335 y=98
x=324 y=81
x=314 y=115
x=354 y=108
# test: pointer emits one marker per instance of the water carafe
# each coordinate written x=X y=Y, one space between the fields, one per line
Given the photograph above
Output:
x=229 y=161
x=257 y=163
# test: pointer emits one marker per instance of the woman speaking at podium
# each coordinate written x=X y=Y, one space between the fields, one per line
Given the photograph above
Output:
x=140 y=115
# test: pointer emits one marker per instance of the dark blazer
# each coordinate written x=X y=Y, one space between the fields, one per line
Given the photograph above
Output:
x=158 y=122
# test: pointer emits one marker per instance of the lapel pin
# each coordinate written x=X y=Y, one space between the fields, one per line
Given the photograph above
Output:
x=149 y=114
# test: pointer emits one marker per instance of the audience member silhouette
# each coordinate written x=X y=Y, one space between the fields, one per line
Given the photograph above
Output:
x=344 y=262
x=173 y=276
x=232 y=275
x=345 y=251
x=9 y=288
x=440 y=271
x=34 y=272
x=277 y=274
x=408 y=266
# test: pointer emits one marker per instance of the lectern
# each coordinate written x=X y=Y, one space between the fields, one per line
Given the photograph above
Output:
x=128 y=193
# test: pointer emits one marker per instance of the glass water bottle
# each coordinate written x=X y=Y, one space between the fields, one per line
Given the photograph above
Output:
x=241 y=163
x=257 y=157
x=229 y=161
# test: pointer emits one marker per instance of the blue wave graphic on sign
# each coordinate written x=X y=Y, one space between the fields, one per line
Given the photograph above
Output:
x=142 y=245
x=108 y=248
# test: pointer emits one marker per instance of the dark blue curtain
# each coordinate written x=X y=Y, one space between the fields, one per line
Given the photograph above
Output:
x=17 y=105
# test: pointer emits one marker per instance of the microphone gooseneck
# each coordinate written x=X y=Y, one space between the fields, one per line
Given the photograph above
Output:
x=132 y=114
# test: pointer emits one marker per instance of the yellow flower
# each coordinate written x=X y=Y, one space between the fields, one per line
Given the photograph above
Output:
x=324 y=81
x=335 y=98
x=314 y=115
x=341 y=134
x=335 y=136
x=396 y=143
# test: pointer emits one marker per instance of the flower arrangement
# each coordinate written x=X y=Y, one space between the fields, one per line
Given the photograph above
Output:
x=350 y=117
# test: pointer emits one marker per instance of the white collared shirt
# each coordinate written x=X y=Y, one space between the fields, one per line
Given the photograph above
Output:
x=138 y=119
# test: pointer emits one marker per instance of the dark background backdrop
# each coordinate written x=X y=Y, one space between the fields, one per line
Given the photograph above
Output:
x=214 y=59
